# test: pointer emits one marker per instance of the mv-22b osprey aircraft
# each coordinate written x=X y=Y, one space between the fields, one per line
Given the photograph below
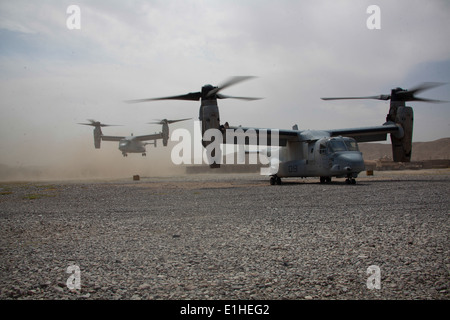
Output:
x=131 y=144
x=316 y=153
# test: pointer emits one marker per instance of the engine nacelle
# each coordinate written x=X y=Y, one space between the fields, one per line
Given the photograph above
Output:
x=97 y=137
x=209 y=116
x=402 y=145
x=165 y=133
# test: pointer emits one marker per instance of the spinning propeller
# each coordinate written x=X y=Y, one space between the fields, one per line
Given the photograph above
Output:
x=165 y=121
x=98 y=124
x=208 y=92
x=400 y=94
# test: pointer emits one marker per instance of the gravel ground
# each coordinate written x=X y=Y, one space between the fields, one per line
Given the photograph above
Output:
x=227 y=237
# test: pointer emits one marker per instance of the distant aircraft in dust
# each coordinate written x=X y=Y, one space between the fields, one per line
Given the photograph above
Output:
x=131 y=144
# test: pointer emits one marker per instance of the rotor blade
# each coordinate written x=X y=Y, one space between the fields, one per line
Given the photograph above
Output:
x=425 y=86
x=401 y=94
x=110 y=125
x=222 y=96
x=167 y=121
x=231 y=81
x=409 y=95
x=379 y=97
x=190 y=96
x=98 y=124
x=173 y=121
x=428 y=100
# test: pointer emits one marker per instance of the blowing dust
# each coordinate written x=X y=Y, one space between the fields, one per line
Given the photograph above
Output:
x=80 y=160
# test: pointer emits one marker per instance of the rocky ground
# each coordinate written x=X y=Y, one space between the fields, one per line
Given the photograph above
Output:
x=227 y=237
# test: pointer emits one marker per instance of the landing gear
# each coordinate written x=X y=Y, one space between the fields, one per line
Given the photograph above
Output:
x=325 y=179
x=275 y=180
x=350 y=181
x=125 y=154
x=144 y=154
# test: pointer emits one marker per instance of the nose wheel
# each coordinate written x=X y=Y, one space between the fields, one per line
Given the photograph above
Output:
x=325 y=179
x=275 y=180
x=350 y=181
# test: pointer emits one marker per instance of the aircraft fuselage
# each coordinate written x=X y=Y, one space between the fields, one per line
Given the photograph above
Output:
x=325 y=158
x=130 y=145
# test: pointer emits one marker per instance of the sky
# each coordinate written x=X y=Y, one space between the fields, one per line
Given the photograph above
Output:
x=53 y=77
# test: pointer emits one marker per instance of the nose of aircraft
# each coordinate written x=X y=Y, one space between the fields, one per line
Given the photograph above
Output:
x=123 y=144
x=351 y=161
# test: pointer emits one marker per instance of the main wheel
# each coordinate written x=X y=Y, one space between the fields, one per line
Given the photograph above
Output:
x=272 y=180
x=275 y=180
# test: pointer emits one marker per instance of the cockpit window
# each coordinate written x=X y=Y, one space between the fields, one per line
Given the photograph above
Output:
x=123 y=143
x=351 y=145
x=336 y=145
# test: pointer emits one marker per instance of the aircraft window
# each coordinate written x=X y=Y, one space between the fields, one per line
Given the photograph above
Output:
x=323 y=149
x=351 y=145
x=336 y=145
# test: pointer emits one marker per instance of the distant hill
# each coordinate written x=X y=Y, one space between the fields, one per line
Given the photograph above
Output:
x=432 y=150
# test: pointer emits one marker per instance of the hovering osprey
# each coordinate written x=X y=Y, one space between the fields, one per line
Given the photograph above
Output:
x=131 y=144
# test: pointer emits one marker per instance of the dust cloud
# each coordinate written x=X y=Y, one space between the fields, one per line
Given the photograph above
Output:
x=79 y=160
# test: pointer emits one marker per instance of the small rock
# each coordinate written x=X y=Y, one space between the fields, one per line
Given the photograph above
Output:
x=190 y=287
x=144 y=286
x=58 y=289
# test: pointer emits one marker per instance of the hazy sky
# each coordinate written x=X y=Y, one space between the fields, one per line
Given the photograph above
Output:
x=53 y=77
